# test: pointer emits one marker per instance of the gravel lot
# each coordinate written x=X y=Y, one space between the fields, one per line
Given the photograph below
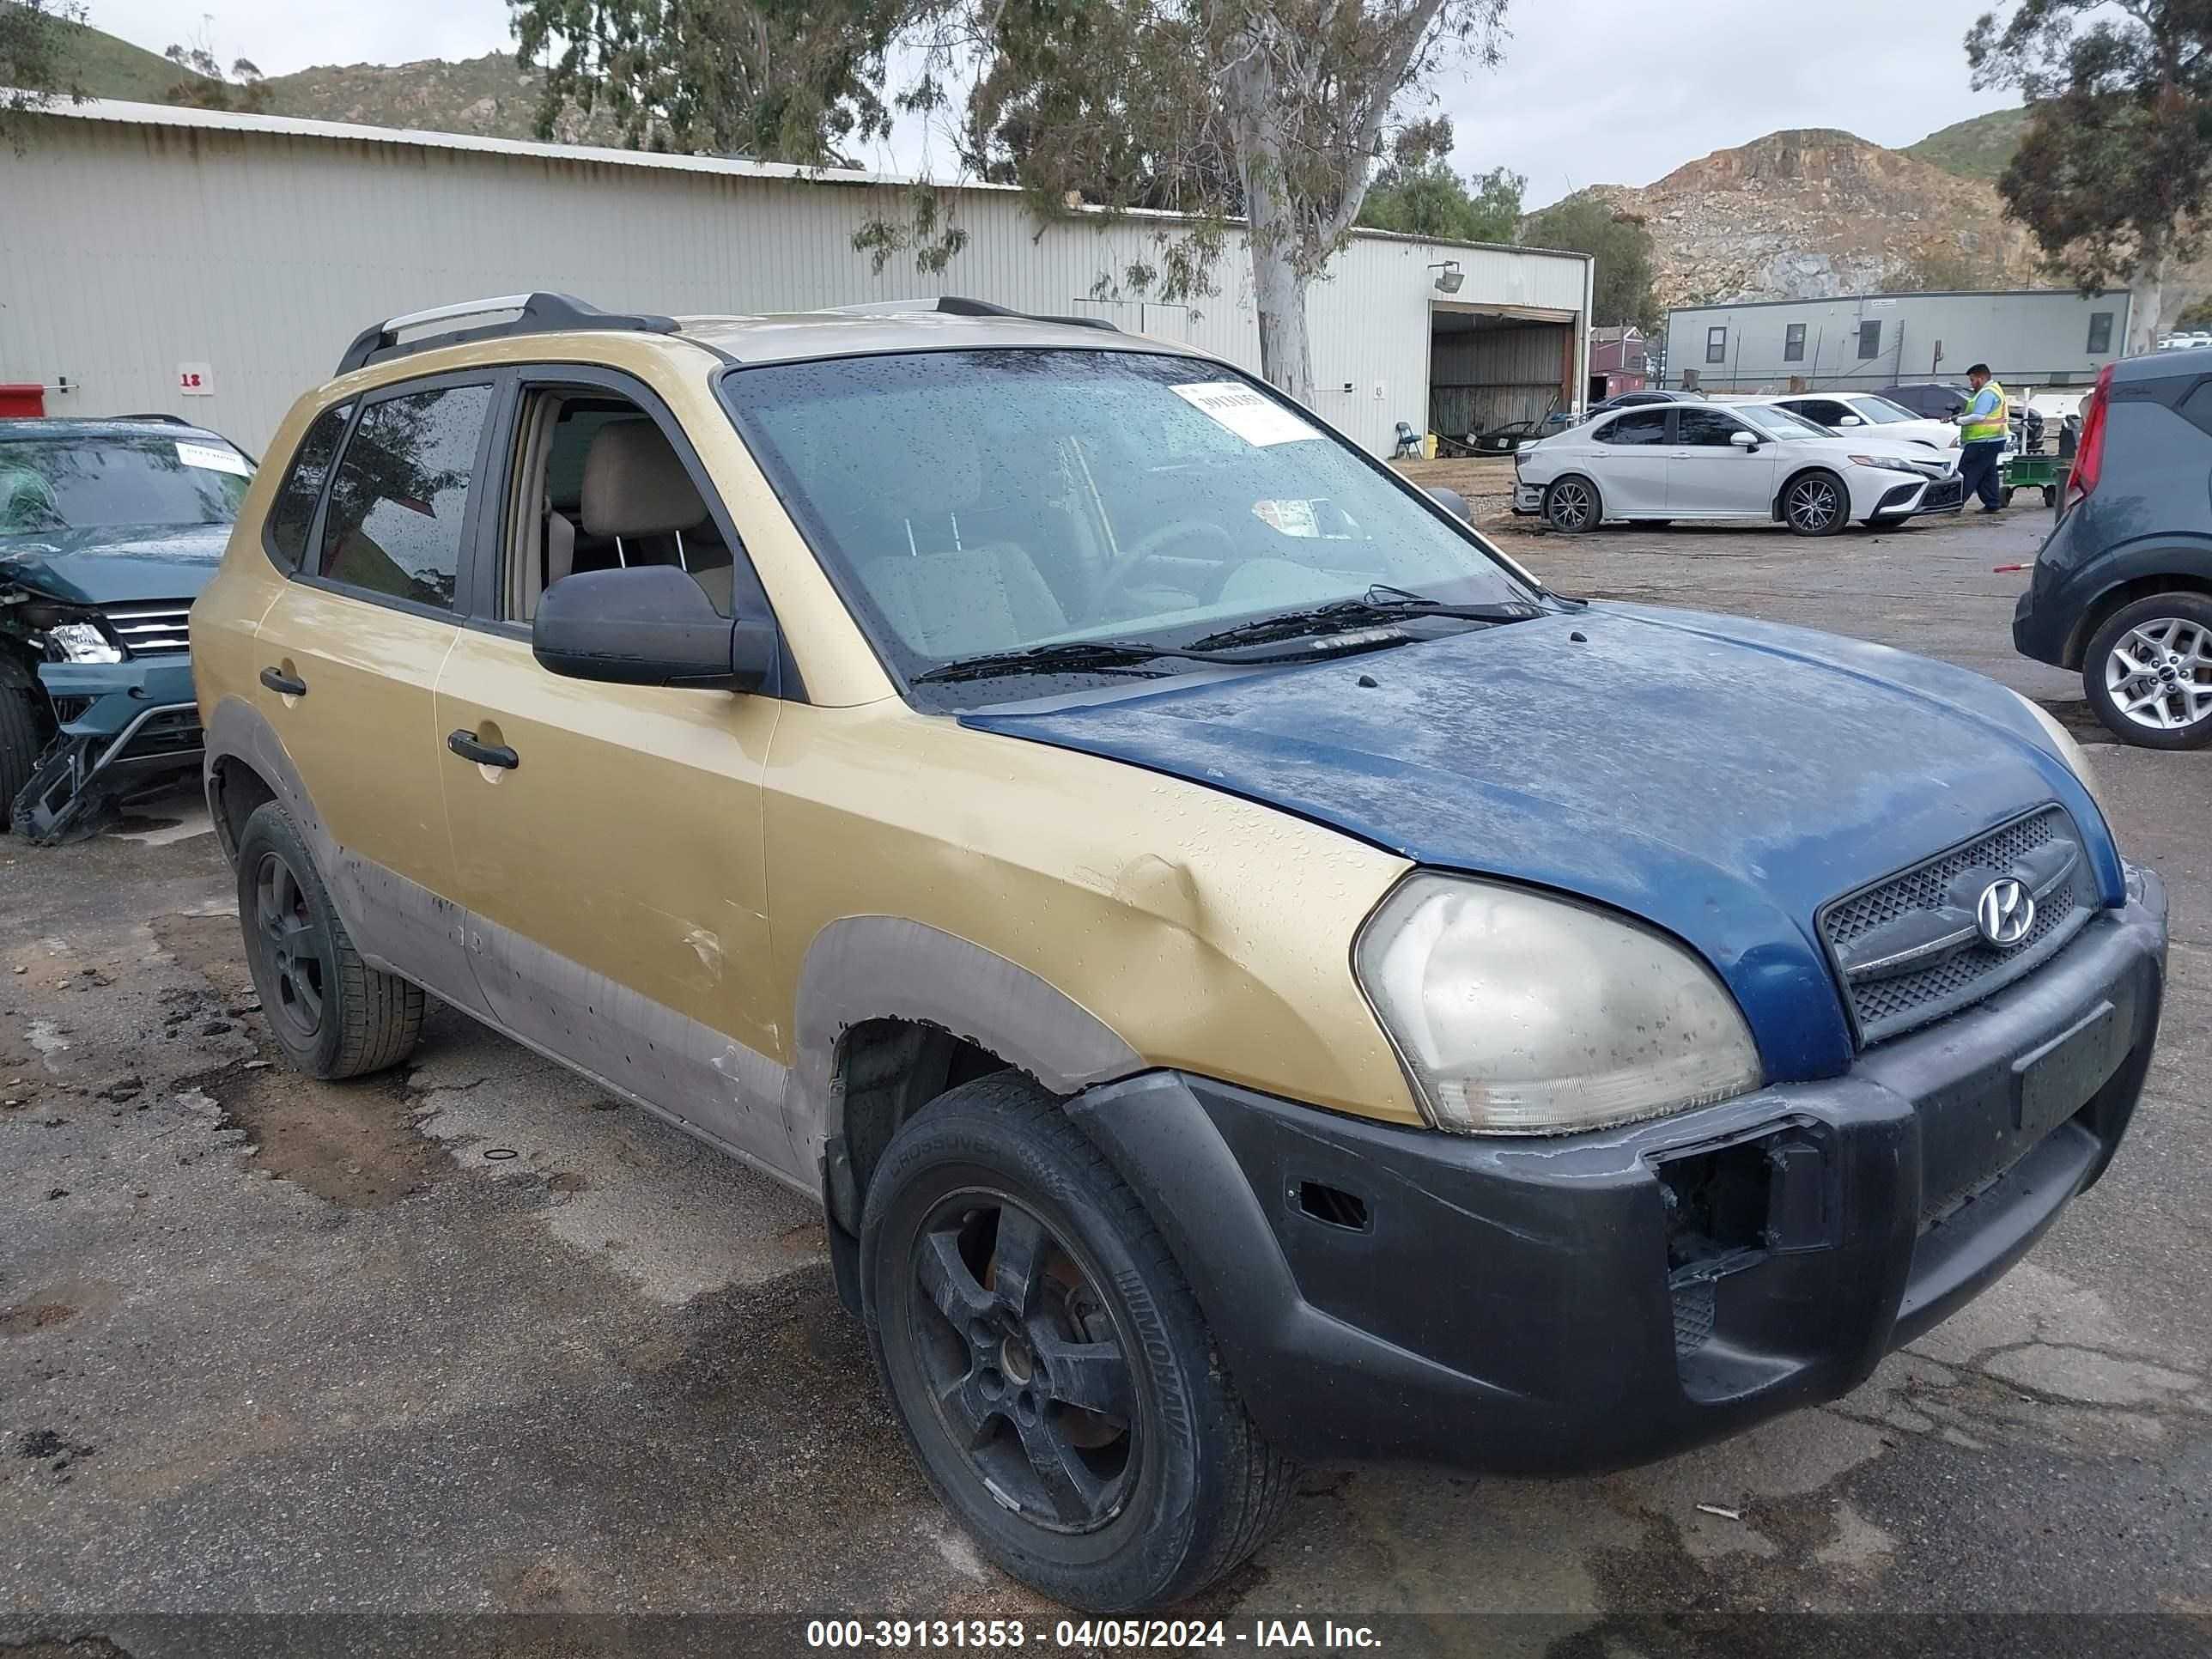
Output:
x=274 y=1347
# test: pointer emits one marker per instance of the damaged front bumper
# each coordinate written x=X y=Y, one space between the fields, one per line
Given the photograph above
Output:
x=122 y=725
x=1593 y=1301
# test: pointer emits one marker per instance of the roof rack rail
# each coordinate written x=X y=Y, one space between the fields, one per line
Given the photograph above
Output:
x=539 y=313
x=166 y=420
x=954 y=305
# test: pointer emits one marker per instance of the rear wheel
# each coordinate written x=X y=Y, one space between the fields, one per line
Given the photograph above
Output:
x=1572 y=505
x=333 y=1015
x=1048 y=1362
x=1815 y=504
x=2149 y=671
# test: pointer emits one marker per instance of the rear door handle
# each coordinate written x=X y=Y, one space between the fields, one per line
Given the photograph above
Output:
x=464 y=744
x=282 y=683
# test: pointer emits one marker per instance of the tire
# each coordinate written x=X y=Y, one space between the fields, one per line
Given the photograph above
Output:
x=1815 y=504
x=24 y=730
x=1139 y=1504
x=333 y=1015
x=1573 y=506
x=2163 y=640
x=2050 y=495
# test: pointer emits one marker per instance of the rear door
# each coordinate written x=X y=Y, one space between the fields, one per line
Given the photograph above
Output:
x=1710 y=475
x=1629 y=460
x=350 y=655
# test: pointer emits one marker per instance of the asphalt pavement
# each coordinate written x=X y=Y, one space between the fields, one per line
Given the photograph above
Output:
x=473 y=1340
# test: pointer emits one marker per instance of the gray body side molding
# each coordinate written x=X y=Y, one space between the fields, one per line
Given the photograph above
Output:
x=864 y=967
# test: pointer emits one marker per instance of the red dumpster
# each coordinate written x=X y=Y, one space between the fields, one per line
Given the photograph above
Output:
x=21 y=401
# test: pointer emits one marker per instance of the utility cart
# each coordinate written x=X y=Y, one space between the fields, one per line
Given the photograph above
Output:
x=2044 y=473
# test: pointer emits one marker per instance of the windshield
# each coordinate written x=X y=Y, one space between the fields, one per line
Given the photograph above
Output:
x=1778 y=422
x=1881 y=411
x=970 y=503
x=49 y=485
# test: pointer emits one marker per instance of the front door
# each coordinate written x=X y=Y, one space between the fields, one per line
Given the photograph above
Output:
x=351 y=653
x=1710 y=475
x=607 y=838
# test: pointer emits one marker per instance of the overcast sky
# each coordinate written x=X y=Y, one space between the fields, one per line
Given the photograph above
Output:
x=1591 y=92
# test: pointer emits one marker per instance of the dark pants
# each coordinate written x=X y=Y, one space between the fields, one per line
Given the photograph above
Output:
x=1977 y=467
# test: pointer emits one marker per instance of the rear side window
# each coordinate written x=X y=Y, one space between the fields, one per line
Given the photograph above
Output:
x=1707 y=427
x=294 y=513
x=401 y=496
x=1638 y=426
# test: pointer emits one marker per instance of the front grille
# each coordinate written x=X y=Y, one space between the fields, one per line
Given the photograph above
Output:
x=1938 y=897
x=147 y=629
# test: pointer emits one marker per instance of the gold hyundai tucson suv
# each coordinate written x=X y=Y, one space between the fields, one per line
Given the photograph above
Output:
x=1250 y=973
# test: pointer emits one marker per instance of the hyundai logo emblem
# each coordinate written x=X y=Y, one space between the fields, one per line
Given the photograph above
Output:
x=2004 y=913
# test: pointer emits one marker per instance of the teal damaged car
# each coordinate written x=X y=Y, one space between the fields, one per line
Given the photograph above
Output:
x=108 y=531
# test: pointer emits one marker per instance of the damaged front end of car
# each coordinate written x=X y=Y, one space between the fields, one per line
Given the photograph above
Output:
x=116 y=681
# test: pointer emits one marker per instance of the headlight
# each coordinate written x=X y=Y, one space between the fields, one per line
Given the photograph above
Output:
x=1518 y=1014
x=1880 y=463
x=82 y=641
x=2070 y=753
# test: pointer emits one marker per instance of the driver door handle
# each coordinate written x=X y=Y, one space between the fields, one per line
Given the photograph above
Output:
x=464 y=744
x=282 y=683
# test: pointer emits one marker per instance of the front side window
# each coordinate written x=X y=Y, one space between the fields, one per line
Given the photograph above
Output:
x=294 y=511
x=1642 y=426
x=1706 y=428
x=1717 y=345
x=1793 y=343
x=2100 y=332
x=972 y=503
x=400 y=496
x=49 y=485
x=1870 y=339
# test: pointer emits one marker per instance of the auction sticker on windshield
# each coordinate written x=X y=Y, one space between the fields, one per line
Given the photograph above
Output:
x=1258 y=420
x=214 y=459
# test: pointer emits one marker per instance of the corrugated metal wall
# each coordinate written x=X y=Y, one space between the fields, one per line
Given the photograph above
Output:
x=1486 y=377
x=138 y=240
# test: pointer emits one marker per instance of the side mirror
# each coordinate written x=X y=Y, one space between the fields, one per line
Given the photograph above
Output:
x=1742 y=439
x=1454 y=503
x=649 y=625
x=1851 y=420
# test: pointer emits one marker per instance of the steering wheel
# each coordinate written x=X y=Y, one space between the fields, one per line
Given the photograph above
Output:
x=1115 y=577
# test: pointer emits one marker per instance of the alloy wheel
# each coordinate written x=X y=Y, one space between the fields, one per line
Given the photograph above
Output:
x=2159 y=674
x=1571 y=505
x=1813 y=504
x=293 y=944
x=1026 y=1364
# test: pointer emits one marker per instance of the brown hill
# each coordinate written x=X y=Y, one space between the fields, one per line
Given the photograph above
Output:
x=1816 y=212
x=493 y=96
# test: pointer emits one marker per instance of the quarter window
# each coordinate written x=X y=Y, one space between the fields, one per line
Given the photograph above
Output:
x=293 y=512
x=394 y=527
x=1717 y=345
x=1638 y=426
x=1869 y=340
x=1707 y=427
x=1793 y=343
x=2100 y=332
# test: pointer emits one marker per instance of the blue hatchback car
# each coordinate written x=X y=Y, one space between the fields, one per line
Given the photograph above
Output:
x=108 y=531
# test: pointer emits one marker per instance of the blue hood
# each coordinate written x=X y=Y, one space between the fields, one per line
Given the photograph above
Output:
x=116 y=565
x=1720 y=778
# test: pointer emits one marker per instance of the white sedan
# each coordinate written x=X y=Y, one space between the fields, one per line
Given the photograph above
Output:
x=1860 y=414
x=1752 y=461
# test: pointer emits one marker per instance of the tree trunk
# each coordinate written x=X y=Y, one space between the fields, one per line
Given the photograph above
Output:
x=1278 y=291
x=2147 y=287
x=1278 y=287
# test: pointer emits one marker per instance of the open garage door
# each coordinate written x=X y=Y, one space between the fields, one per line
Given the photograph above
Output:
x=1490 y=366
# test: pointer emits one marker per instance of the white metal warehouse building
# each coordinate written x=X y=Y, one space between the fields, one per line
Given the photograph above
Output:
x=214 y=265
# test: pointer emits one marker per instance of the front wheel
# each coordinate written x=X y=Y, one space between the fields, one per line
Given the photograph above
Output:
x=1049 y=1366
x=1815 y=504
x=2148 y=672
x=1572 y=505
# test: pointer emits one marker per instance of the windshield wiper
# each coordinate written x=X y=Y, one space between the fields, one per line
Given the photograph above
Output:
x=1062 y=657
x=1381 y=603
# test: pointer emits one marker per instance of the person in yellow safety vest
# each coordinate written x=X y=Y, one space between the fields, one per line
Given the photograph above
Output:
x=1982 y=427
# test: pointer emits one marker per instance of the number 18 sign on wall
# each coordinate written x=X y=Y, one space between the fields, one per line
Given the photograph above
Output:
x=196 y=380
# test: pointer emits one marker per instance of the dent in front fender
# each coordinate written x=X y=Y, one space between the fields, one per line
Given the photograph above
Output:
x=119 y=692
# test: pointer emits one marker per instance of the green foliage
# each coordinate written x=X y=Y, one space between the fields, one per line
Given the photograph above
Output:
x=2197 y=314
x=777 y=80
x=1977 y=147
x=1432 y=200
x=208 y=85
x=1620 y=244
x=2112 y=170
x=34 y=69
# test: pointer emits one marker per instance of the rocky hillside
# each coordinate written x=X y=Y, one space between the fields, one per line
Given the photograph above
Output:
x=1816 y=212
x=493 y=96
